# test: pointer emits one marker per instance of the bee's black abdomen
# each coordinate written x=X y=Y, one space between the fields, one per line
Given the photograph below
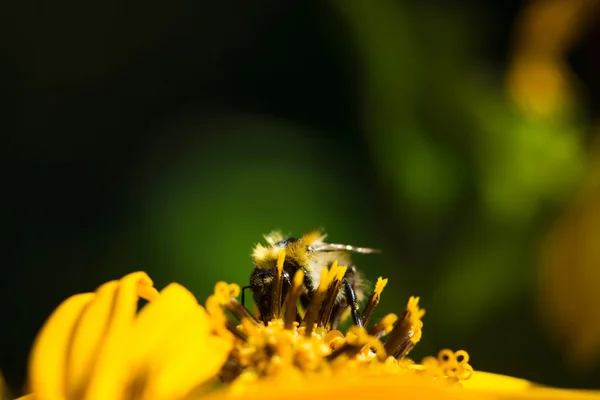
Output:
x=261 y=281
x=261 y=284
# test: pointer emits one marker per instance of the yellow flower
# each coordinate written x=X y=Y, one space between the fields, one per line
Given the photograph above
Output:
x=97 y=346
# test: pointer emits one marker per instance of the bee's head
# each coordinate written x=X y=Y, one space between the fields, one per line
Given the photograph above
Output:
x=261 y=283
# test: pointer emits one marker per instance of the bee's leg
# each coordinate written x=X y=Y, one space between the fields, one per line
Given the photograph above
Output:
x=336 y=316
x=352 y=302
x=243 y=294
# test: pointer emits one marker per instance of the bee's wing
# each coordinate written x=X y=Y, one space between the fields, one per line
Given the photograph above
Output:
x=326 y=247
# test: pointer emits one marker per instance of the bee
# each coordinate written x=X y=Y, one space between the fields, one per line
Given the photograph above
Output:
x=311 y=254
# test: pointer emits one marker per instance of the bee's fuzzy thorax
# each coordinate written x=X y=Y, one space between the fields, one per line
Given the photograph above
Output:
x=313 y=237
x=263 y=256
x=296 y=252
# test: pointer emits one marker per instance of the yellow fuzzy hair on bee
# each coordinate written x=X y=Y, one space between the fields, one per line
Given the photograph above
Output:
x=296 y=252
x=313 y=237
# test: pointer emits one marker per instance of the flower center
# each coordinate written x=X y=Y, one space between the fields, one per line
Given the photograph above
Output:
x=300 y=341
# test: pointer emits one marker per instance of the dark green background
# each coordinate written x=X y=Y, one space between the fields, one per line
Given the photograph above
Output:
x=169 y=136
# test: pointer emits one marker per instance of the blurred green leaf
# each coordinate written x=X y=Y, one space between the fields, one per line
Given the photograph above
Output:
x=438 y=130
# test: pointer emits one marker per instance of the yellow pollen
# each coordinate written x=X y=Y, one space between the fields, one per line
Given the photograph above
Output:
x=298 y=278
x=380 y=285
x=280 y=260
x=341 y=271
x=384 y=326
x=373 y=301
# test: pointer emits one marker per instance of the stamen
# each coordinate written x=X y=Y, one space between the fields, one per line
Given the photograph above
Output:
x=373 y=301
x=346 y=349
x=252 y=330
x=337 y=273
x=314 y=307
x=445 y=356
x=239 y=311
x=291 y=309
x=376 y=344
x=450 y=364
x=232 y=327
x=335 y=339
x=461 y=356
x=225 y=298
x=404 y=349
x=465 y=372
x=277 y=288
x=356 y=340
x=407 y=331
x=384 y=326
x=231 y=370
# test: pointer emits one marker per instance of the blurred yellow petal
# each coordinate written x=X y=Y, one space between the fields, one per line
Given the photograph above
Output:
x=508 y=387
x=486 y=381
x=87 y=336
x=49 y=353
x=539 y=79
x=542 y=393
x=188 y=357
x=5 y=393
x=486 y=386
x=540 y=86
x=154 y=323
x=570 y=274
x=96 y=346
x=111 y=372
x=380 y=387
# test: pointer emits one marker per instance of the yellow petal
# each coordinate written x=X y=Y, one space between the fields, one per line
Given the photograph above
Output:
x=88 y=336
x=383 y=387
x=4 y=391
x=110 y=374
x=485 y=381
x=543 y=393
x=157 y=320
x=380 y=387
x=188 y=357
x=48 y=356
x=508 y=387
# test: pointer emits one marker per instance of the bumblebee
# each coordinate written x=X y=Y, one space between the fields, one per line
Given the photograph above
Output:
x=311 y=254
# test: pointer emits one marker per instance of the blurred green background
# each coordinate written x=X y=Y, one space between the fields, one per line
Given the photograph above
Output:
x=460 y=137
